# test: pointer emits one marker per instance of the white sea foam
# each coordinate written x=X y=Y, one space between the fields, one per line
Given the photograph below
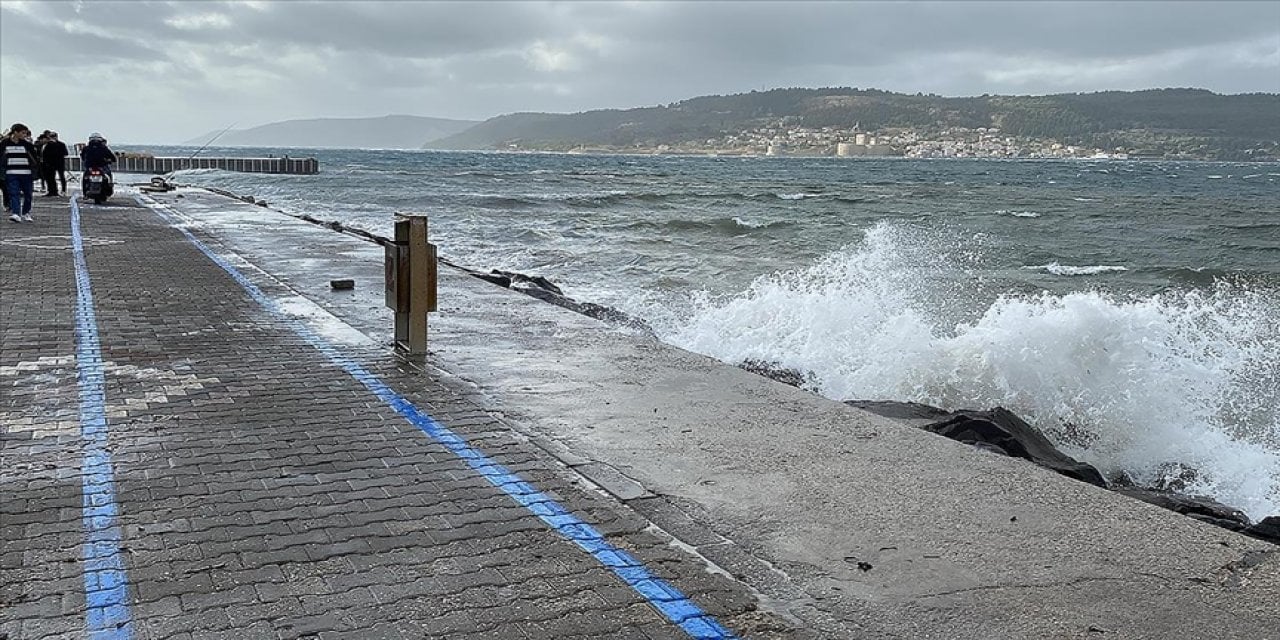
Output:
x=797 y=196
x=1069 y=270
x=1018 y=214
x=751 y=224
x=1125 y=384
x=198 y=172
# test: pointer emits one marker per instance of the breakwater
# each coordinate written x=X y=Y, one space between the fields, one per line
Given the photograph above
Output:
x=151 y=164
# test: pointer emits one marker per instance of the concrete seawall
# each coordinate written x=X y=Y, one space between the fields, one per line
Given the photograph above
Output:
x=851 y=524
x=149 y=164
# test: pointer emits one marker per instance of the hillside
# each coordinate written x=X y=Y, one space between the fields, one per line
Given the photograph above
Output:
x=1170 y=122
x=387 y=132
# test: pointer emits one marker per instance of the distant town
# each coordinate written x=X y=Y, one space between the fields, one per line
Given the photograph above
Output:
x=780 y=139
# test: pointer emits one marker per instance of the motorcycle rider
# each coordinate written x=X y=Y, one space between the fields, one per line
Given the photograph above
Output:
x=96 y=154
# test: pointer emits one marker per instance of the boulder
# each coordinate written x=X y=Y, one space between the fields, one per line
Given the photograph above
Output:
x=1198 y=507
x=1266 y=529
x=778 y=373
x=1175 y=476
x=1000 y=430
x=522 y=281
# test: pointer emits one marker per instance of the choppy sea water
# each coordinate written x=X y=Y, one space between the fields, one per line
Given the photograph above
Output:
x=1130 y=310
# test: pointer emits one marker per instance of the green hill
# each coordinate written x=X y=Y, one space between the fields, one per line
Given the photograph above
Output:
x=1159 y=121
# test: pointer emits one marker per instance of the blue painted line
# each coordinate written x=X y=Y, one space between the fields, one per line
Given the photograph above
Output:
x=673 y=604
x=106 y=583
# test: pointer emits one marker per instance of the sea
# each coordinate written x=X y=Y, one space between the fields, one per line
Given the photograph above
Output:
x=1128 y=309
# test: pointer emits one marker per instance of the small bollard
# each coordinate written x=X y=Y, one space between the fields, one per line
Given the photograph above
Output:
x=411 y=283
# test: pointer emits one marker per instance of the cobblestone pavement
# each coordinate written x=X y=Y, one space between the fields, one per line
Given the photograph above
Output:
x=264 y=492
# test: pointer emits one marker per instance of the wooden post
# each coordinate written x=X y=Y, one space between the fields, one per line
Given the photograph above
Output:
x=411 y=283
x=418 y=285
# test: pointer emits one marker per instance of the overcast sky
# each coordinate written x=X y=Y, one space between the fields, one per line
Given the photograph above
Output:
x=170 y=71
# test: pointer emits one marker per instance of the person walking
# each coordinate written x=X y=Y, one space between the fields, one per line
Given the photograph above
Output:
x=53 y=164
x=41 y=140
x=4 y=183
x=18 y=157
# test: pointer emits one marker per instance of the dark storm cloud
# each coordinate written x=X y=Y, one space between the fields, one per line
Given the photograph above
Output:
x=265 y=61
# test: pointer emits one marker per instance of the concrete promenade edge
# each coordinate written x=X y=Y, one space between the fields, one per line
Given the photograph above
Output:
x=245 y=460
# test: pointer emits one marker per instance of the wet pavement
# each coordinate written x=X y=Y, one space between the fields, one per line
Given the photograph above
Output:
x=241 y=457
x=183 y=460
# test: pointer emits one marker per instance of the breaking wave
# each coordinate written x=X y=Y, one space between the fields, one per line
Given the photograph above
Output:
x=1128 y=384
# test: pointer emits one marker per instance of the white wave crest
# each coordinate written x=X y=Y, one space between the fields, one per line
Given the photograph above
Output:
x=1069 y=270
x=1125 y=384
x=1018 y=214
x=751 y=224
x=198 y=172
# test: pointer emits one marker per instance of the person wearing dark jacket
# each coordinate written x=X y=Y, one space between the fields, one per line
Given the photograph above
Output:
x=53 y=164
x=4 y=183
x=96 y=155
x=18 y=157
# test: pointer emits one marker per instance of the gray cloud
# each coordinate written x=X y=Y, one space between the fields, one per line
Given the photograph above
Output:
x=166 y=71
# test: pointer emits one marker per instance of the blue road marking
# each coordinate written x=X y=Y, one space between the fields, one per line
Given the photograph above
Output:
x=106 y=583
x=673 y=604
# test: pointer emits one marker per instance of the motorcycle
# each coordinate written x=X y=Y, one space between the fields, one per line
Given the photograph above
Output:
x=97 y=184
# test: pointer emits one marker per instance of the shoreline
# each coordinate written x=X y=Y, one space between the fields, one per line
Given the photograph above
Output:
x=620 y=153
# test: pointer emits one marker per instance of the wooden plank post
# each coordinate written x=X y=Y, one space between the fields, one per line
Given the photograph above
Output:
x=411 y=283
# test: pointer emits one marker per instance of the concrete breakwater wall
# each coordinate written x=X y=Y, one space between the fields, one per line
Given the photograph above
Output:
x=150 y=164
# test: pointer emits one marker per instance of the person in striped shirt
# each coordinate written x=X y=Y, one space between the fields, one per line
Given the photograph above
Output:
x=18 y=158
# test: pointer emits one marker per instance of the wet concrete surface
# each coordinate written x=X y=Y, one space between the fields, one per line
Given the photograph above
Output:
x=850 y=524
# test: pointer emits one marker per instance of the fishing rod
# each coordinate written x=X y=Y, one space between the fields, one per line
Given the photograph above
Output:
x=205 y=146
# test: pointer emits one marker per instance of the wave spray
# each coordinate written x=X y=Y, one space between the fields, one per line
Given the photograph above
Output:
x=1130 y=384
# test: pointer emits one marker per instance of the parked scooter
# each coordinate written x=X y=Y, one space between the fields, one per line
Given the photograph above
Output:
x=97 y=184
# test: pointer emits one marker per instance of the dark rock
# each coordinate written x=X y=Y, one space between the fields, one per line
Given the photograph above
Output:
x=1007 y=433
x=537 y=282
x=778 y=373
x=1266 y=529
x=501 y=281
x=590 y=309
x=1198 y=507
x=1175 y=476
x=543 y=289
x=1121 y=479
x=1225 y=523
x=342 y=285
